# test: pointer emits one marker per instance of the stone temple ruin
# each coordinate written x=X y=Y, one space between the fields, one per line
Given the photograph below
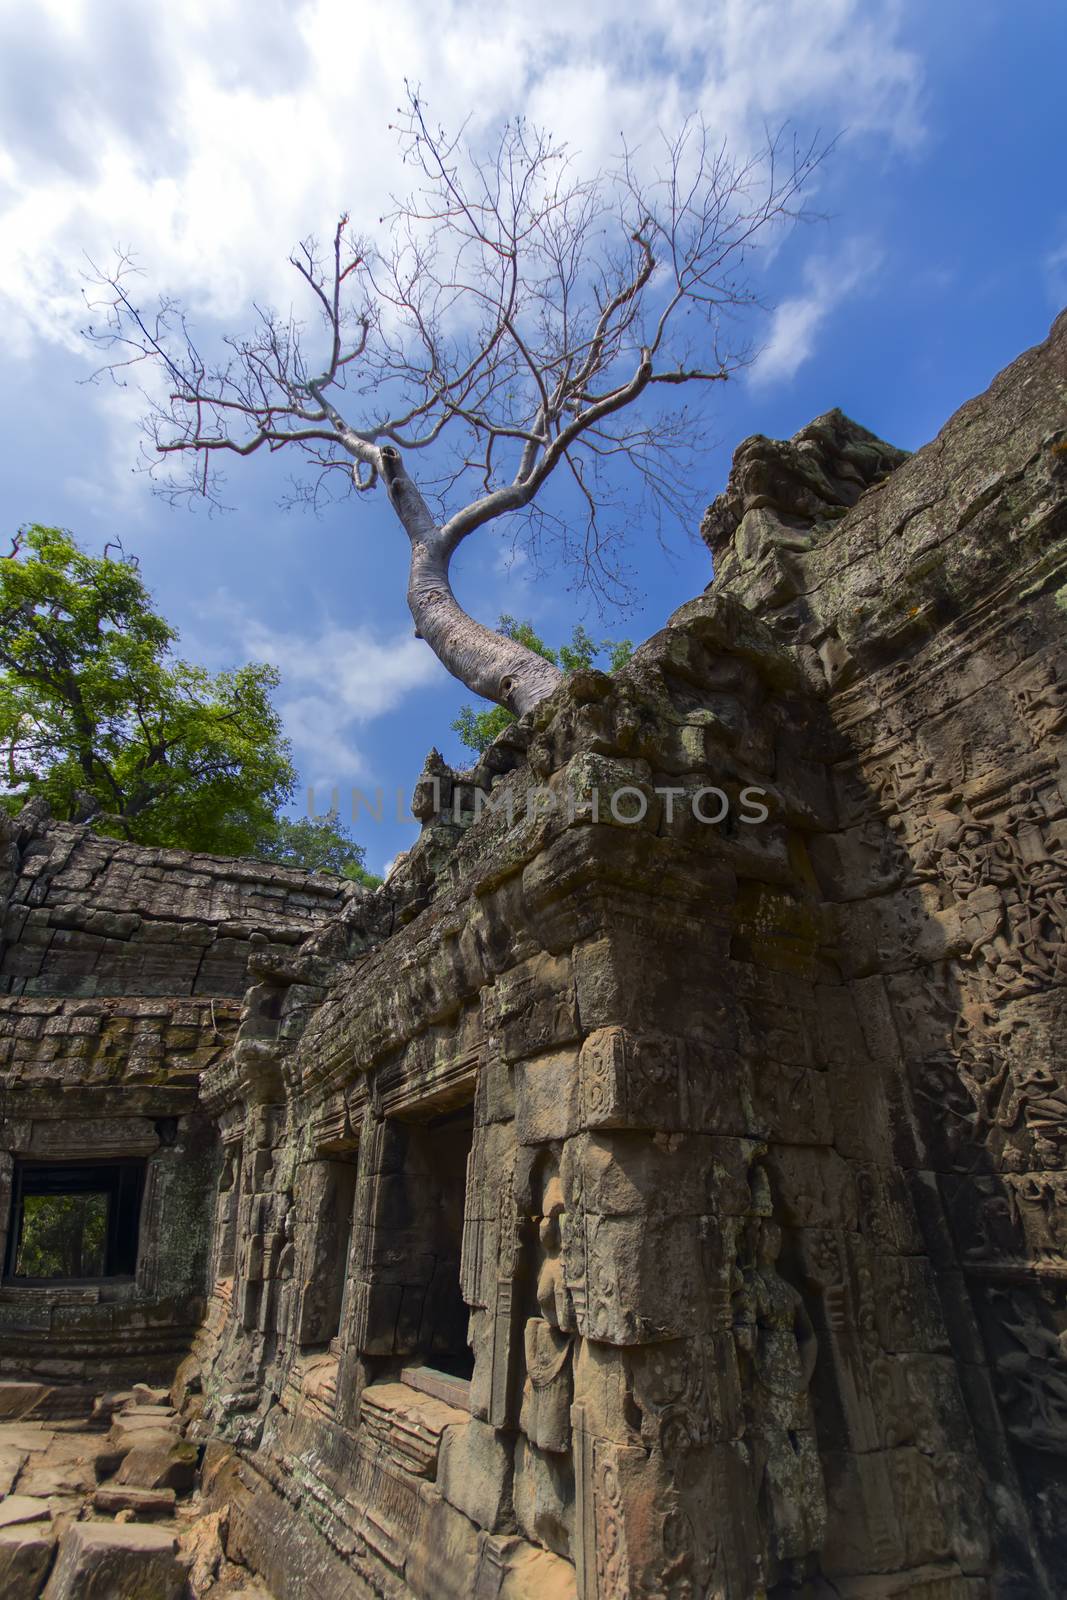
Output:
x=616 y=1204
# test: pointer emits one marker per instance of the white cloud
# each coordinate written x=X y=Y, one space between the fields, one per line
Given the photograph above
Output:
x=210 y=136
x=797 y=322
x=1055 y=265
x=334 y=682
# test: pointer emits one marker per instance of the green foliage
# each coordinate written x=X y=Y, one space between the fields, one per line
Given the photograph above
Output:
x=478 y=729
x=99 y=716
x=318 y=844
x=523 y=633
x=62 y=1236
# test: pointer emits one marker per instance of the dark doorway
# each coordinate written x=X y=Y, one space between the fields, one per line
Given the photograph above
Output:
x=72 y=1221
x=437 y=1179
x=331 y=1188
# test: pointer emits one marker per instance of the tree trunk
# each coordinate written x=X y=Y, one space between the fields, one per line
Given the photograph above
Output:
x=488 y=663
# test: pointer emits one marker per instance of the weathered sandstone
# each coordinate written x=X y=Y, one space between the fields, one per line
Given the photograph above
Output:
x=619 y=1203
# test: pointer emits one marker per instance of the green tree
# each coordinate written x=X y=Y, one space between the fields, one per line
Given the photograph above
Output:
x=478 y=729
x=100 y=717
x=63 y=1236
x=318 y=844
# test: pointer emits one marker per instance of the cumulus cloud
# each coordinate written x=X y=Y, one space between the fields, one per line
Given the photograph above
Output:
x=798 y=321
x=210 y=136
x=335 y=680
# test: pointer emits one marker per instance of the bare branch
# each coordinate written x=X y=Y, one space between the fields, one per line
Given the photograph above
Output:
x=512 y=317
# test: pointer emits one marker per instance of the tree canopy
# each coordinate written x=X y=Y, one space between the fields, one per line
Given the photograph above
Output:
x=101 y=718
x=318 y=844
x=478 y=729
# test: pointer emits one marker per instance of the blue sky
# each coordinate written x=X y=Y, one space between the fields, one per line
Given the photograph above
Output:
x=211 y=141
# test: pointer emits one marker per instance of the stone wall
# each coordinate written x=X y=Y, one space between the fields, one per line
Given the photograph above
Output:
x=633 y=1198
x=931 y=612
x=698 y=1294
x=93 y=916
x=122 y=971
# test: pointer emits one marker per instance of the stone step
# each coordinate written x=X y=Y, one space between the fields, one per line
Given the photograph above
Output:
x=27 y=1436
x=17 y=1400
x=113 y=1497
x=18 y=1508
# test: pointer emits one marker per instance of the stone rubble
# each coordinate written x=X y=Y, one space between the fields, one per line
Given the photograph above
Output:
x=76 y=1520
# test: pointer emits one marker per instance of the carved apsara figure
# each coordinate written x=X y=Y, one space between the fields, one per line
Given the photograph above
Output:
x=546 y=1399
x=777 y=1348
x=283 y=1276
x=1033 y=1381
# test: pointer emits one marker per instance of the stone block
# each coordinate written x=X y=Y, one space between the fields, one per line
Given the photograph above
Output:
x=618 y=1515
x=49 y=1479
x=474 y=1473
x=20 y=1508
x=907 y=1306
x=128 y=1429
x=120 y=1560
x=863 y=1534
x=18 y=1400
x=628 y=1174
x=633 y=1279
x=11 y=1464
x=791 y=1103
x=603 y=1391
x=936 y=1581
x=444 y=1555
x=512 y=1569
x=546 y=1097
x=160 y=1463
x=25 y=1555
x=28 y=1436
x=112 y=1498
x=630 y=1081
x=408 y=1425
x=543 y=1497
x=533 y=1007
x=817 y=1188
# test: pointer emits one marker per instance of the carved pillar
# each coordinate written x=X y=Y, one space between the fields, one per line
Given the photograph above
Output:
x=610 y=1488
x=663 y=1492
x=828 y=1271
x=504 y=1381
x=491 y=1262
x=148 y=1241
x=224 y=1250
x=472 y=1259
x=357 y=1321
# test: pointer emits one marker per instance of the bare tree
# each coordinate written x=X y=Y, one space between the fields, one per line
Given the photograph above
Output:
x=536 y=321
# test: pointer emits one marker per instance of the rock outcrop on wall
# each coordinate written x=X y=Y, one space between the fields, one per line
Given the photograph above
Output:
x=655 y=1189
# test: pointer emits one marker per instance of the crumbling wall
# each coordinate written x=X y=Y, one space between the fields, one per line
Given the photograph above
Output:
x=738 y=1135
x=94 y=916
x=121 y=971
x=729 y=1334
